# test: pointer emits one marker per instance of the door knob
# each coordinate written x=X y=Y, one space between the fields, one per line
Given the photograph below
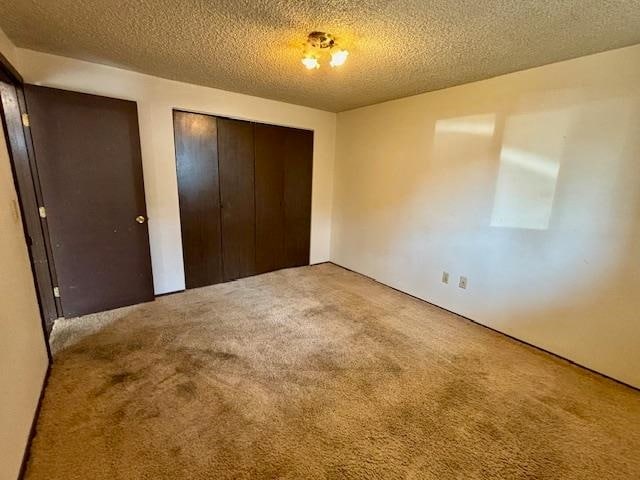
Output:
x=140 y=219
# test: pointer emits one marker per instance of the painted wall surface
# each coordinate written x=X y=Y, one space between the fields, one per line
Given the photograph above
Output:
x=528 y=184
x=8 y=49
x=23 y=356
x=156 y=98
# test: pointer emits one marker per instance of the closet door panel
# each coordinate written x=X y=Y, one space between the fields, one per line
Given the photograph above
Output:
x=199 y=196
x=298 y=169
x=269 y=190
x=236 y=163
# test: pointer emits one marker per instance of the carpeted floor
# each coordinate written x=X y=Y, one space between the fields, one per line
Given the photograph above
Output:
x=319 y=373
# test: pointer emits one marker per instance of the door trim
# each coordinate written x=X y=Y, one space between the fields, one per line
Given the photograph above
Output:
x=44 y=278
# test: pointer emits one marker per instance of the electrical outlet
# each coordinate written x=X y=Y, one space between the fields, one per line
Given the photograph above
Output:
x=445 y=277
x=463 y=282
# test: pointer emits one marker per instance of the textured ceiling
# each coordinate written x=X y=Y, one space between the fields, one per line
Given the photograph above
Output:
x=398 y=48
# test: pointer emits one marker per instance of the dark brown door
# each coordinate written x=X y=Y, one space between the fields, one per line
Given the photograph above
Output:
x=236 y=163
x=87 y=150
x=199 y=194
x=269 y=190
x=298 y=169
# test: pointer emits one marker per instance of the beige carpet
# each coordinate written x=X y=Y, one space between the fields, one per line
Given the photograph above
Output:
x=319 y=373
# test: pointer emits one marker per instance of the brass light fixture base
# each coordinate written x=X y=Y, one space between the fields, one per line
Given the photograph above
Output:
x=321 y=40
x=320 y=44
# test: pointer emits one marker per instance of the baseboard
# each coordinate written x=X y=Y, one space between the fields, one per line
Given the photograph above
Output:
x=523 y=342
x=158 y=295
x=34 y=423
x=165 y=294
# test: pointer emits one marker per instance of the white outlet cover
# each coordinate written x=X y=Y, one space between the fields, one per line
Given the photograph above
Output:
x=463 y=282
x=445 y=277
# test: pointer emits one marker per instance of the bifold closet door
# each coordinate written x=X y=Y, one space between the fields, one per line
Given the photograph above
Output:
x=199 y=197
x=236 y=162
x=298 y=170
x=269 y=190
x=245 y=197
x=284 y=159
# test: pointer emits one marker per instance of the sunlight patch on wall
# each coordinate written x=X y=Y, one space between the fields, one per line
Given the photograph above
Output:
x=471 y=125
x=530 y=160
x=461 y=160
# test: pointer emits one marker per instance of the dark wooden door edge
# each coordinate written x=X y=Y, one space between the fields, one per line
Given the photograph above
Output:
x=38 y=192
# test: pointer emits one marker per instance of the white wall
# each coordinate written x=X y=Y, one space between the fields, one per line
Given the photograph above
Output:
x=528 y=184
x=23 y=357
x=156 y=98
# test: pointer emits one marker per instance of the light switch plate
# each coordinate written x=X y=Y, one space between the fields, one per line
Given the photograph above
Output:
x=463 y=282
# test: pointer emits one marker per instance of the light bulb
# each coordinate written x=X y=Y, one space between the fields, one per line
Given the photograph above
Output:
x=310 y=62
x=338 y=58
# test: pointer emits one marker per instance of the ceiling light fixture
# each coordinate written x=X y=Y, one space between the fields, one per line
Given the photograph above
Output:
x=317 y=44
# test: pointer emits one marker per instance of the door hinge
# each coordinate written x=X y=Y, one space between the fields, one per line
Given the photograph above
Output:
x=25 y=120
x=43 y=212
x=56 y=292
